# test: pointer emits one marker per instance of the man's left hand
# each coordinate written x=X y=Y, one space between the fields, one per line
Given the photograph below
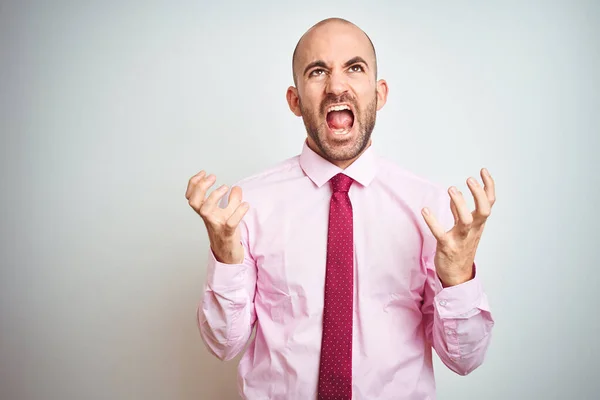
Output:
x=455 y=255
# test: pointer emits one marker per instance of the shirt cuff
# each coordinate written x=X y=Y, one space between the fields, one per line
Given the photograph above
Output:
x=460 y=301
x=225 y=276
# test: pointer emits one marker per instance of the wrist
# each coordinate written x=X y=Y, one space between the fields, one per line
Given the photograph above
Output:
x=228 y=253
x=458 y=279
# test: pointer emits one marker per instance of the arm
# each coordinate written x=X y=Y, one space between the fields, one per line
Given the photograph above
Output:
x=458 y=322
x=455 y=308
x=226 y=313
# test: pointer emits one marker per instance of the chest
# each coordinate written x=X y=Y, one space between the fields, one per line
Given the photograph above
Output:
x=290 y=249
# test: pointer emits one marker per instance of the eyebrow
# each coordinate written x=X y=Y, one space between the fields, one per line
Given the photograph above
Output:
x=322 y=64
x=355 y=60
x=318 y=63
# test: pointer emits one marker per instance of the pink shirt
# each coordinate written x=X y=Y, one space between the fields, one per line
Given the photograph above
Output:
x=401 y=310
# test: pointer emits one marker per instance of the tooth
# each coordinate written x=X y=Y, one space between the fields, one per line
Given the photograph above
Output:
x=338 y=108
x=340 y=131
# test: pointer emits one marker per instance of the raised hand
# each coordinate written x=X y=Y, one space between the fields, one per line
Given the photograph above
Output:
x=456 y=248
x=221 y=223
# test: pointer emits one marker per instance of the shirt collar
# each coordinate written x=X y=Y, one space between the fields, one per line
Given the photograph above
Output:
x=320 y=171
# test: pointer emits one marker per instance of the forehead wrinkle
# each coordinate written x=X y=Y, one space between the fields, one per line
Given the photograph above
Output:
x=314 y=30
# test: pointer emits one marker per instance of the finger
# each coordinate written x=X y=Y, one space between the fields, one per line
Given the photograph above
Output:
x=193 y=182
x=235 y=199
x=434 y=226
x=234 y=220
x=199 y=192
x=454 y=212
x=482 y=205
x=489 y=186
x=213 y=199
x=465 y=219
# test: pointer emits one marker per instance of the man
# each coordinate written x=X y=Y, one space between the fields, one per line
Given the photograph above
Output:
x=350 y=268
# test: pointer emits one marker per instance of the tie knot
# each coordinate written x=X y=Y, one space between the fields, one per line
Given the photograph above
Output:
x=341 y=183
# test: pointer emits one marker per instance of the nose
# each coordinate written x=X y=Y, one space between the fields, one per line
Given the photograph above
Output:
x=337 y=83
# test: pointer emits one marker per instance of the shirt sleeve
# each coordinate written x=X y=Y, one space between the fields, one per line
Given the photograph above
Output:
x=226 y=314
x=458 y=320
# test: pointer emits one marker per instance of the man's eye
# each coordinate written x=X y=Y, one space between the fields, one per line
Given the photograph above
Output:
x=317 y=72
x=356 y=68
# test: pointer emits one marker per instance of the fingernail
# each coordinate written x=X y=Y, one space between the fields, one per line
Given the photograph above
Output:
x=453 y=190
x=426 y=211
x=472 y=181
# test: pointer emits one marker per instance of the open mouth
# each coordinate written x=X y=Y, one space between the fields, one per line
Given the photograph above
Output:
x=340 y=119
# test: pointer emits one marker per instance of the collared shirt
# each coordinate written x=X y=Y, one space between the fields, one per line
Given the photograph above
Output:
x=401 y=311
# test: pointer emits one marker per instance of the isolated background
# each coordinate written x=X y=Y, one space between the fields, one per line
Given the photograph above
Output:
x=107 y=108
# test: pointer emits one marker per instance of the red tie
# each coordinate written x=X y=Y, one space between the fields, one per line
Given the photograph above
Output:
x=335 y=373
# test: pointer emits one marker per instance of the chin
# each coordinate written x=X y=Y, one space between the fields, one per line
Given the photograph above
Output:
x=341 y=146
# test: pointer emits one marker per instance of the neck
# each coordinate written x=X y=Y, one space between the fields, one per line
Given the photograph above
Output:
x=343 y=164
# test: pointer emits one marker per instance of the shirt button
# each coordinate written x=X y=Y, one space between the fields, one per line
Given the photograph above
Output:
x=443 y=303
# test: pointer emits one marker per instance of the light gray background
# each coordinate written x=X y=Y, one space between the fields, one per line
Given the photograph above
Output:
x=106 y=110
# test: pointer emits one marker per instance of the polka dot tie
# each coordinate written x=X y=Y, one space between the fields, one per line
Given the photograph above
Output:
x=335 y=372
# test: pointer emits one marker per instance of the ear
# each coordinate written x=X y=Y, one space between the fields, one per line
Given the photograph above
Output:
x=293 y=100
x=382 y=93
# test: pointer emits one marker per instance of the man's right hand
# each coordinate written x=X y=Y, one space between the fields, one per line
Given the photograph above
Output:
x=221 y=223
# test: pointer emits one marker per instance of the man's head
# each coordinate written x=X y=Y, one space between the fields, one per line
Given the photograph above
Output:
x=337 y=93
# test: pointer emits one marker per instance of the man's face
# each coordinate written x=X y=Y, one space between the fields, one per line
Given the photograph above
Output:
x=337 y=94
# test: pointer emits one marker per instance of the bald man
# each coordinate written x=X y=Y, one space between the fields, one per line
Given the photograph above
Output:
x=349 y=268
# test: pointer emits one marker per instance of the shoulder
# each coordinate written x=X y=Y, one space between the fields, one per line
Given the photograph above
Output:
x=416 y=191
x=407 y=180
x=273 y=174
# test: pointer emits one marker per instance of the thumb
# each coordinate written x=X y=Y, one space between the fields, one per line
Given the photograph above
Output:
x=434 y=226
x=235 y=199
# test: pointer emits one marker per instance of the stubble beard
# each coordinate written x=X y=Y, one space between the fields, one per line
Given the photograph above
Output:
x=317 y=131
